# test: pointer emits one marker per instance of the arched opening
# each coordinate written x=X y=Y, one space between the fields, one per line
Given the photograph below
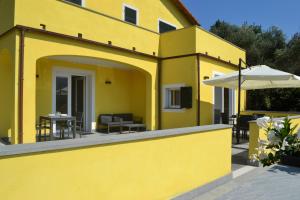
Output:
x=92 y=86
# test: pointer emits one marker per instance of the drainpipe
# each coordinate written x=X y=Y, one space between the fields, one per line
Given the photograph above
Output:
x=20 y=88
x=198 y=90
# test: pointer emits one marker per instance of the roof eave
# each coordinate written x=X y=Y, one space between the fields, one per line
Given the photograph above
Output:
x=186 y=12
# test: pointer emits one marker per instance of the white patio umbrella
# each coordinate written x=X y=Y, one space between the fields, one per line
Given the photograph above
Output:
x=256 y=77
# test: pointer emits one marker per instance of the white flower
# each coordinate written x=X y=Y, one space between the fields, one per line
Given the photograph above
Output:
x=278 y=125
x=273 y=139
x=263 y=122
x=262 y=156
x=284 y=144
x=262 y=142
x=298 y=134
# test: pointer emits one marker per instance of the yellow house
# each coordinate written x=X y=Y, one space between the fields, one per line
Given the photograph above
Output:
x=145 y=57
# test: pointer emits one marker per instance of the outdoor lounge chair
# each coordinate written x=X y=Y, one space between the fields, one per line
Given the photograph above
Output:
x=114 y=121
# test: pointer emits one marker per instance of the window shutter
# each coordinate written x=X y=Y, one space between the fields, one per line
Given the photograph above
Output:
x=186 y=99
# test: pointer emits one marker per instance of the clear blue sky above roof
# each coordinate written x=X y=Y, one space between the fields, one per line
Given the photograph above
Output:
x=283 y=14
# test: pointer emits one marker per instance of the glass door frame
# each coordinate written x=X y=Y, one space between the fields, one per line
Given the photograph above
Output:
x=232 y=99
x=69 y=92
x=90 y=118
x=214 y=95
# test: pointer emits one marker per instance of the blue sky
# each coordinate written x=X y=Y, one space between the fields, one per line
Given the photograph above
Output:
x=282 y=13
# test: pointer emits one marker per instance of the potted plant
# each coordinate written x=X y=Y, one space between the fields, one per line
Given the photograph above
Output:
x=282 y=144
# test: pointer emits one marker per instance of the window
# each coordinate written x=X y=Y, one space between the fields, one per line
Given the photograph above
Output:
x=78 y=2
x=177 y=97
x=165 y=27
x=173 y=98
x=130 y=14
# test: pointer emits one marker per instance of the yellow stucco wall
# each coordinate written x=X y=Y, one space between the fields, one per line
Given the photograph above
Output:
x=217 y=47
x=171 y=45
x=149 y=11
x=7 y=85
x=125 y=94
x=6 y=15
x=179 y=71
x=71 y=20
x=258 y=133
x=159 y=168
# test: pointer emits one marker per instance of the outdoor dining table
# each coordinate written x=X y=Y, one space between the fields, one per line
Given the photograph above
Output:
x=44 y=120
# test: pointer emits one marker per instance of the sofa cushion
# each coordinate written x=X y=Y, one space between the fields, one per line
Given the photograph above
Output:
x=104 y=119
x=124 y=117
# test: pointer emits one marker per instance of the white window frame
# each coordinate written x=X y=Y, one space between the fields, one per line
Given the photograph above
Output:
x=164 y=21
x=133 y=8
x=215 y=73
x=232 y=103
x=169 y=98
x=82 y=3
x=165 y=96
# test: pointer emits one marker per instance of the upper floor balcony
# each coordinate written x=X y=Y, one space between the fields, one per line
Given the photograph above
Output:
x=195 y=39
x=70 y=19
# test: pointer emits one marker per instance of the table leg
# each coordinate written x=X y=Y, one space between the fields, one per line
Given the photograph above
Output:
x=63 y=133
x=45 y=129
x=121 y=129
x=74 y=130
x=51 y=130
x=40 y=131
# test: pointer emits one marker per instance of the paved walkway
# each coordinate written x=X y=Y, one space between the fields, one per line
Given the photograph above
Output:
x=273 y=183
x=239 y=155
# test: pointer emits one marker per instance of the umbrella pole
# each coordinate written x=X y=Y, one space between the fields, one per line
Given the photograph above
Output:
x=239 y=102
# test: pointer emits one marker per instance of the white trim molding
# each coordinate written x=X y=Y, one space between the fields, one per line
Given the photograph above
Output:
x=83 y=3
x=133 y=8
x=214 y=74
x=232 y=98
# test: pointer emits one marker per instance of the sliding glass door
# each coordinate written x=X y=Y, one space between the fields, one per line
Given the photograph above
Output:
x=62 y=95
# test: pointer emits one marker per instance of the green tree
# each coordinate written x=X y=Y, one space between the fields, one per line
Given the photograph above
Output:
x=268 y=47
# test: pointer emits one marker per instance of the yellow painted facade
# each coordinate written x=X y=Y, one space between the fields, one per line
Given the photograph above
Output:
x=135 y=81
x=160 y=168
x=7 y=13
x=148 y=18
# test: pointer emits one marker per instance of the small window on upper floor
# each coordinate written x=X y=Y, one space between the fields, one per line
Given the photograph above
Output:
x=78 y=2
x=165 y=26
x=130 y=14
